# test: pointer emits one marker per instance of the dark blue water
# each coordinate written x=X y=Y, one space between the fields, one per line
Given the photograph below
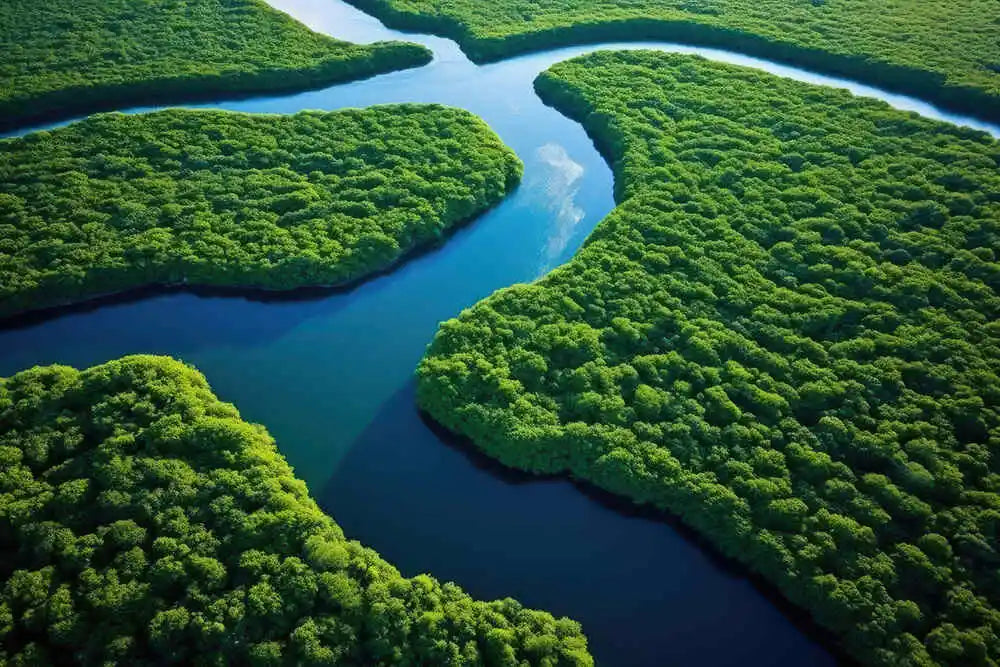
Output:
x=331 y=378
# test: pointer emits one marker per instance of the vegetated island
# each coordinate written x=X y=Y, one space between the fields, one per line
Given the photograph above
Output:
x=787 y=333
x=67 y=57
x=939 y=50
x=143 y=522
x=215 y=198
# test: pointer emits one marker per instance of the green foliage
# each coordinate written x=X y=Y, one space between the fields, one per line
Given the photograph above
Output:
x=938 y=49
x=788 y=333
x=142 y=522
x=66 y=57
x=216 y=198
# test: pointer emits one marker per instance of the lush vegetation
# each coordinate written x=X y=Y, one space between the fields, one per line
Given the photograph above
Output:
x=142 y=522
x=65 y=57
x=788 y=333
x=941 y=50
x=217 y=198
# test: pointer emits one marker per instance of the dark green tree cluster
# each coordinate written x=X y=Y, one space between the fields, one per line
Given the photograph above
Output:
x=938 y=49
x=217 y=198
x=66 y=57
x=142 y=522
x=787 y=333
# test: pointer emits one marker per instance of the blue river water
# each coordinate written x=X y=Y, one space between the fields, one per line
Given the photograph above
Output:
x=331 y=378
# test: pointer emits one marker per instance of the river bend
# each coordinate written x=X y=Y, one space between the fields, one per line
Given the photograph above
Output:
x=331 y=378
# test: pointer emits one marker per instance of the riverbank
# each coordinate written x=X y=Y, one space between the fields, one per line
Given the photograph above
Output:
x=486 y=39
x=331 y=376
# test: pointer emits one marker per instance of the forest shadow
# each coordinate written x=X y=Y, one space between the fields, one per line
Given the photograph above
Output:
x=164 y=320
x=401 y=454
x=624 y=507
x=314 y=300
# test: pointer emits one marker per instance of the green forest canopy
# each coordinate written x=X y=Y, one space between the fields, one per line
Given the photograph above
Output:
x=142 y=522
x=219 y=198
x=62 y=57
x=940 y=49
x=788 y=333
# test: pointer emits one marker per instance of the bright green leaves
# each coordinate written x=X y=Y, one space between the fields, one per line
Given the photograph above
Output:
x=65 y=57
x=177 y=532
x=950 y=52
x=785 y=333
x=211 y=198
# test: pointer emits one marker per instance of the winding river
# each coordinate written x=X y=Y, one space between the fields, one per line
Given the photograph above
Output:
x=331 y=377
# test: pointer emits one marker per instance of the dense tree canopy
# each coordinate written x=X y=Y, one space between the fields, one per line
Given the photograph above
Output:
x=948 y=51
x=788 y=333
x=62 y=57
x=218 y=198
x=142 y=522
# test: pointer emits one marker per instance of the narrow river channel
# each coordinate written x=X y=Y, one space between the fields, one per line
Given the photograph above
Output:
x=331 y=378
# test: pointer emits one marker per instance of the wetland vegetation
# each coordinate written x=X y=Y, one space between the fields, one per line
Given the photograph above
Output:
x=236 y=200
x=786 y=333
x=944 y=51
x=143 y=522
x=65 y=57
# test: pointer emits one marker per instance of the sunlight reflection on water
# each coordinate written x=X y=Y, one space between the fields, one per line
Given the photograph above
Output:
x=561 y=185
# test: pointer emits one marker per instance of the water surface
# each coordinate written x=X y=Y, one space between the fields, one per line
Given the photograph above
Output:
x=331 y=378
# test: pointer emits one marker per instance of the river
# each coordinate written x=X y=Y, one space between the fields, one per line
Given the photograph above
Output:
x=331 y=378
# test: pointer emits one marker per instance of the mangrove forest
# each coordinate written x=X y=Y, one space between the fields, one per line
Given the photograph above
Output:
x=216 y=198
x=787 y=333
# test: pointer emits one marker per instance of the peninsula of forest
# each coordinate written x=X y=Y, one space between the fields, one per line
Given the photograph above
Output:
x=223 y=199
x=143 y=522
x=62 y=58
x=787 y=333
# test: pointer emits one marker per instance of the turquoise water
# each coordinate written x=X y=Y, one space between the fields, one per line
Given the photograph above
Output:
x=331 y=378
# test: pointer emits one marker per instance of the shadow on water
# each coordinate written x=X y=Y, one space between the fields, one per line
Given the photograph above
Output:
x=622 y=506
x=153 y=320
x=646 y=589
x=147 y=292
x=251 y=295
x=328 y=373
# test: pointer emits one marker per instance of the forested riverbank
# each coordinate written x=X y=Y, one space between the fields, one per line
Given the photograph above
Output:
x=785 y=333
x=67 y=57
x=141 y=520
x=216 y=198
x=651 y=597
x=950 y=54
